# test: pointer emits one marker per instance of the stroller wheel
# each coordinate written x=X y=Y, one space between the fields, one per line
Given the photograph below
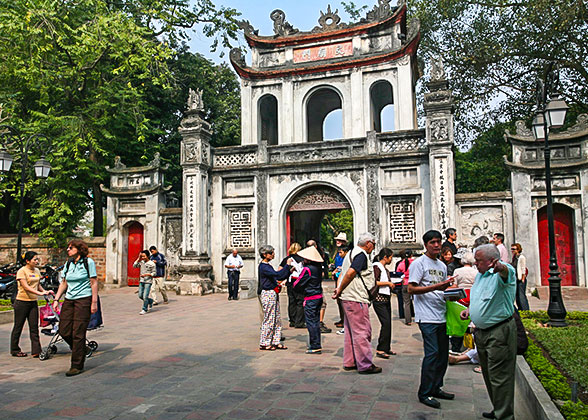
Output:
x=44 y=355
x=53 y=349
x=93 y=345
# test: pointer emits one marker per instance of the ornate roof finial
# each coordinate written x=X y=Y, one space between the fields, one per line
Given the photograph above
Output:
x=379 y=12
x=281 y=26
x=118 y=163
x=195 y=100
x=329 y=20
x=437 y=70
x=247 y=27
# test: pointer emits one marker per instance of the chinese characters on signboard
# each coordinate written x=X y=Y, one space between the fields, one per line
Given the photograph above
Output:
x=324 y=52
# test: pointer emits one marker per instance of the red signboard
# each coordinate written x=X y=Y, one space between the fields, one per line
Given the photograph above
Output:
x=323 y=52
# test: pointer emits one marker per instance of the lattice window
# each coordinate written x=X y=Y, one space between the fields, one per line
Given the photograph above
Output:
x=403 y=145
x=235 y=160
x=403 y=221
x=240 y=228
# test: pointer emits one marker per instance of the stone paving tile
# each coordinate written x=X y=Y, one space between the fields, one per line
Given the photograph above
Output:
x=198 y=358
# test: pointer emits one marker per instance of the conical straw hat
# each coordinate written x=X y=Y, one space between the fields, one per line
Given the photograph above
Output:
x=311 y=254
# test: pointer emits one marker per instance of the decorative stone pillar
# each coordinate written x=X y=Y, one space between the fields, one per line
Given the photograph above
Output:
x=438 y=105
x=195 y=267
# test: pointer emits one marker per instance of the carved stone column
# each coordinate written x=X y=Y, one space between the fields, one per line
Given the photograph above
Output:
x=195 y=267
x=438 y=105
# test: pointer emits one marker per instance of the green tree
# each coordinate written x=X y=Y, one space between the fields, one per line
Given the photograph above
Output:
x=334 y=223
x=84 y=73
x=482 y=167
x=495 y=51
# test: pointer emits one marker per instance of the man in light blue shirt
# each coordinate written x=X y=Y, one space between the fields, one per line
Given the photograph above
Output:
x=491 y=310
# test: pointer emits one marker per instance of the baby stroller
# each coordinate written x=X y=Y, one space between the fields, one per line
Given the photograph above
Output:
x=50 y=320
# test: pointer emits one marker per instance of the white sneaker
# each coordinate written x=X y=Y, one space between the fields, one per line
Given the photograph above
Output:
x=142 y=312
x=341 y=331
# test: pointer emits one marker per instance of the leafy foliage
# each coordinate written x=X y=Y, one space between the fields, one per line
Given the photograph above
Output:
x=552 y=380
x=334 y=223
x=495 y=51
x=482 y=167
x=93 y=76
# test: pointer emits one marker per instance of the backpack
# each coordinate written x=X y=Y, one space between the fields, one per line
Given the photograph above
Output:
x=84 y=261
x=522 y=339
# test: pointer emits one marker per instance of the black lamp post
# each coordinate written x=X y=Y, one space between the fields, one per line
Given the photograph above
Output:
x=550 y=114
x=11 y=138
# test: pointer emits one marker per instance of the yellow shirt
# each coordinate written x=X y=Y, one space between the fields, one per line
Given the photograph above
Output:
x=33 y=277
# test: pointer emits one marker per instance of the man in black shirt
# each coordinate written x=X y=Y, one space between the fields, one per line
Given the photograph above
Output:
x=451 y=237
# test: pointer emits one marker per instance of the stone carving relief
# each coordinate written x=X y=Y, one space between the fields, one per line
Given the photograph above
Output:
x=262 y=215
x=439 y=130
x=235 y=159
x=309 y=155
x=319 y=198
x=247 y=27
x=559 y=183
x=237 y=57
x=403 y=145
x=192 y=152
x=195 y=100
x=380 y=12
x=373 y=200
x=437 y=70
x=574 y=202
x=402 y=220
x=240 y=228
x=173 y=239
x=522 y=129
x=281 y=26
x=581 y=124
x=480 y=221
x=118 y=163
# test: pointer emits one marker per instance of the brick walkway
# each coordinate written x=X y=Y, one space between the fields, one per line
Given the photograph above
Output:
x=197 y=358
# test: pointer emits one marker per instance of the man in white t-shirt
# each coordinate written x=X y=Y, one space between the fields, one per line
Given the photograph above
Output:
x=426 y=282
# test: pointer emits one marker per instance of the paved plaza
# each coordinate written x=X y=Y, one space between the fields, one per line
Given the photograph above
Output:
x=198 y=358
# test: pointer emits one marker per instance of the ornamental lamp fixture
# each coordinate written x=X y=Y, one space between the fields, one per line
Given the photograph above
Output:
x=42 y=168
x=539 y=126
x=5 y=161
x=555 y=111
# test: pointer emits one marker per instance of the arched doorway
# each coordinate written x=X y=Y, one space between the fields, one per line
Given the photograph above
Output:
x=319 y=212
x=563 y=217
x=321 y=104
x=134 y=246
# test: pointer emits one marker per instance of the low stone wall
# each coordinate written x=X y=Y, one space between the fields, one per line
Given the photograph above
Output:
x=53 y=256
x=531 y=400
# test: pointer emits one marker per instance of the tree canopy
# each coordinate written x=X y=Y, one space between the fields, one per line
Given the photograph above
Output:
x=100 y=79
x=495 y=51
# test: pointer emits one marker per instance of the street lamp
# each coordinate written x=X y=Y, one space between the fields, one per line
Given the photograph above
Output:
x=11 y=138
x=550 y=114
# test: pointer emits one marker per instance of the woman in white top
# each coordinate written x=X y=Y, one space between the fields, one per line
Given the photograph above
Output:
x=382 y=302
x=519 y=262
x=466 y=275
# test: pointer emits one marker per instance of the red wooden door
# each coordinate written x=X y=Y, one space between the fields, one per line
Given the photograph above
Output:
x=135 y=245
x=564 y=244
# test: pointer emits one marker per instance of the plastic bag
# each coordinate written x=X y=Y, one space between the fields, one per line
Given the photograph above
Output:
x=468 y=341
x=456 y=327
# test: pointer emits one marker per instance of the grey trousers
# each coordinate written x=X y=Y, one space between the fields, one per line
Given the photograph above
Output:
x=497 y=351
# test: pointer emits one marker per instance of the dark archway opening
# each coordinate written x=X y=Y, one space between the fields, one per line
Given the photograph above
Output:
x=320 y=104
x=268 y=119
x=382 y=106
x=319 y=213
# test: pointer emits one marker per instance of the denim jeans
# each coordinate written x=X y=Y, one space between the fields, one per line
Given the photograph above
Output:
x=436 y=346
x=144 y=289
x=312 y=310
x=233 y=276
x=521 y=296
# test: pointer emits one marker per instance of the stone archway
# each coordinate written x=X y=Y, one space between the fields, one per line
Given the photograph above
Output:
x=308 y=209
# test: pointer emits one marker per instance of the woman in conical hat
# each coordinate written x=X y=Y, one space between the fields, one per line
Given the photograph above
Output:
x=310 y=280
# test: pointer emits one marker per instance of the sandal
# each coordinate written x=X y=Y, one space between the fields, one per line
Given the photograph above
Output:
x=391 y=353
x=280 y=347
x=383 y=355
x=268 y=348
x=19 y=354
x=478 y=369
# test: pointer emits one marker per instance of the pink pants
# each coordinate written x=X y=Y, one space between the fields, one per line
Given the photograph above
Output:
x=357 y=350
